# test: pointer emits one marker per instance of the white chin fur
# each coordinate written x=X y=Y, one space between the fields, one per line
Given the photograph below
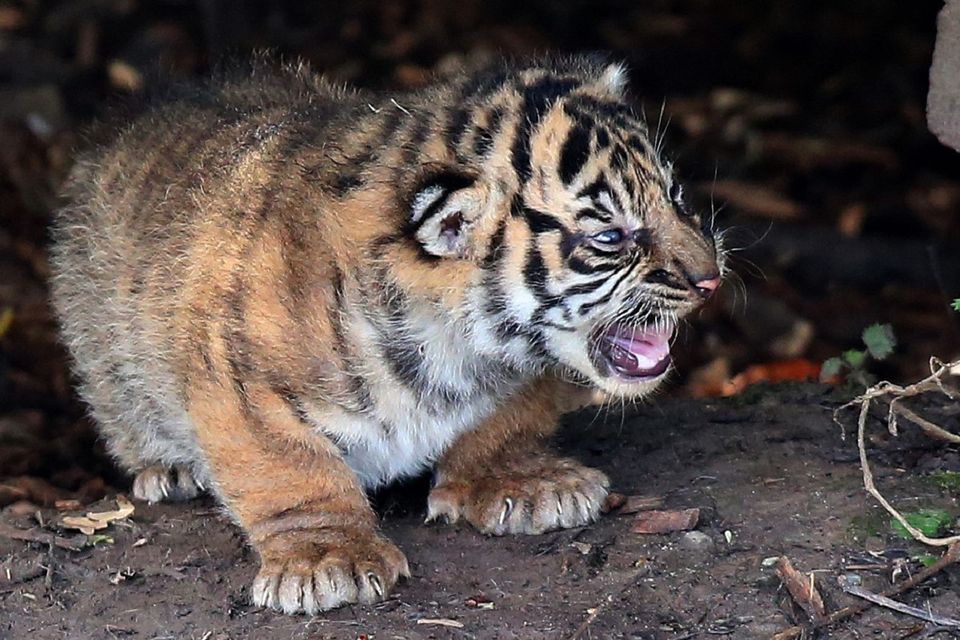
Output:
x=627 y=389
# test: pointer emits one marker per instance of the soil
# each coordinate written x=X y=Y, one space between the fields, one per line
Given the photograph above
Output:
x=769 y=472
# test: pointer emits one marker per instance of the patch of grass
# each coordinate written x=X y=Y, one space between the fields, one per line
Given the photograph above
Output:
x=948 y=481
x=930 y=522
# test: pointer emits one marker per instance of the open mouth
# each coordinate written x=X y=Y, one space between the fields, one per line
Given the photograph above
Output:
x=636 y=353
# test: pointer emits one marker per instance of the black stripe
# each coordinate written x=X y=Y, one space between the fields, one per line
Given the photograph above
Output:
x=603 y=138
x=574 y=154
x=483 y=142
x=619 y=157
x=540 y=222
x=569 y=243
x=495 y=250
x=421 y=130
x=594 y=189
x=535 y=272
x=355 y=382
x=536 y=99
x=236 y=345
x=586 y=307
x=483 y=85
x=578 y=265
x=586 y=287
x=456 y=126
x=292 y=400
x=590 y=212
x=616 y=112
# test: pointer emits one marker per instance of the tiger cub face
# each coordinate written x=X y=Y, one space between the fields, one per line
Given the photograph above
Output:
x=584 y=254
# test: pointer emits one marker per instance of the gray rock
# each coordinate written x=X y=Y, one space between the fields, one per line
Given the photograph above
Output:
x=943 y=101
x=697 y=542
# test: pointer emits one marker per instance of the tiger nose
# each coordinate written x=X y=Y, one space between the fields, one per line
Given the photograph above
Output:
x=707 y=286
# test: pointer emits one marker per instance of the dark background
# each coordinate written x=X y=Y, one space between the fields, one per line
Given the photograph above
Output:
x=802 y=121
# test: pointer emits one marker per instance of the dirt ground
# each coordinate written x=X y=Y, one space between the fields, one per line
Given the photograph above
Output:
x=769 y=472
x=803 y=123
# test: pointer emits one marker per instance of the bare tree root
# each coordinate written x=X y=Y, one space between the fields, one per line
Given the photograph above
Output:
x=896 y=393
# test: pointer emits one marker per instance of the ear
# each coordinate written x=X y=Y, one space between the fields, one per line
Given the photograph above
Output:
x=613 y=79
x=442 y=212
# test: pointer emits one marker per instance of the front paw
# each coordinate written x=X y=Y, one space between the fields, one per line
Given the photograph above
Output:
x=313 y=571
x=528 y=496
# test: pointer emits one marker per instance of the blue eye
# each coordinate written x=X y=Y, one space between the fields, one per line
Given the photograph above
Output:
x=610 y=236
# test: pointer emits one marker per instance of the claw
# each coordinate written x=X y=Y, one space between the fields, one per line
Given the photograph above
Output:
x=507 y=509
x=376 y=584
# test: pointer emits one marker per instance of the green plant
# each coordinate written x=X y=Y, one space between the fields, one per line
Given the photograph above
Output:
x=956 y=304
x=879 y=342
x=931 y=522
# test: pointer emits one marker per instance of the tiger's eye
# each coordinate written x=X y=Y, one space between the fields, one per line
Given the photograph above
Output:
x=676 y=192
x=610 y=237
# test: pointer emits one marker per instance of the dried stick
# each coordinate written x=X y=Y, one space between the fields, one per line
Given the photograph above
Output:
x=932 y=382
x=950 y=557
x=889 y=603
x=803 y=591
x=27 y=535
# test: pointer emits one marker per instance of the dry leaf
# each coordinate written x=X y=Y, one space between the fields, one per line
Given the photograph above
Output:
x=125 y=510
x=83 y=524
x=96 y=520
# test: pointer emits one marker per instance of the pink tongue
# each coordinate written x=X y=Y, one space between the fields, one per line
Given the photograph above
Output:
x=636 y=351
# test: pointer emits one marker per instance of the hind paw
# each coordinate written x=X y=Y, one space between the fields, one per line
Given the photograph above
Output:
x=159 y=483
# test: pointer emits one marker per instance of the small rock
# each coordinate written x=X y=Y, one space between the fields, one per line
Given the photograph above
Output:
x=696 y=541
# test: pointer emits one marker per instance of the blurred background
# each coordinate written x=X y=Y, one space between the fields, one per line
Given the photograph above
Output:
x=801 y=122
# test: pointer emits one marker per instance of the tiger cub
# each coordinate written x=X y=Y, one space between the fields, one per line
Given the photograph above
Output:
x=288 y=293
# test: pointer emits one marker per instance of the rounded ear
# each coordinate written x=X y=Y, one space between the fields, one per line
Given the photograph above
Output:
x=442 y=210
x=613 y=79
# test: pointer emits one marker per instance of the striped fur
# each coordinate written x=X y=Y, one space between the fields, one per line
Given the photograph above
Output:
x=289 y=292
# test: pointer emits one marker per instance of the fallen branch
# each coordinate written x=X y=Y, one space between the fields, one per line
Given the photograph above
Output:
x=952 y=556
x=30 y=535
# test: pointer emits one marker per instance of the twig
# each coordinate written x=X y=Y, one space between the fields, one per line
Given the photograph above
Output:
x=28 y=535
x=931 y=429
x=933 y=382
x=803 y=591
x=889 y=603
x=950 y=557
